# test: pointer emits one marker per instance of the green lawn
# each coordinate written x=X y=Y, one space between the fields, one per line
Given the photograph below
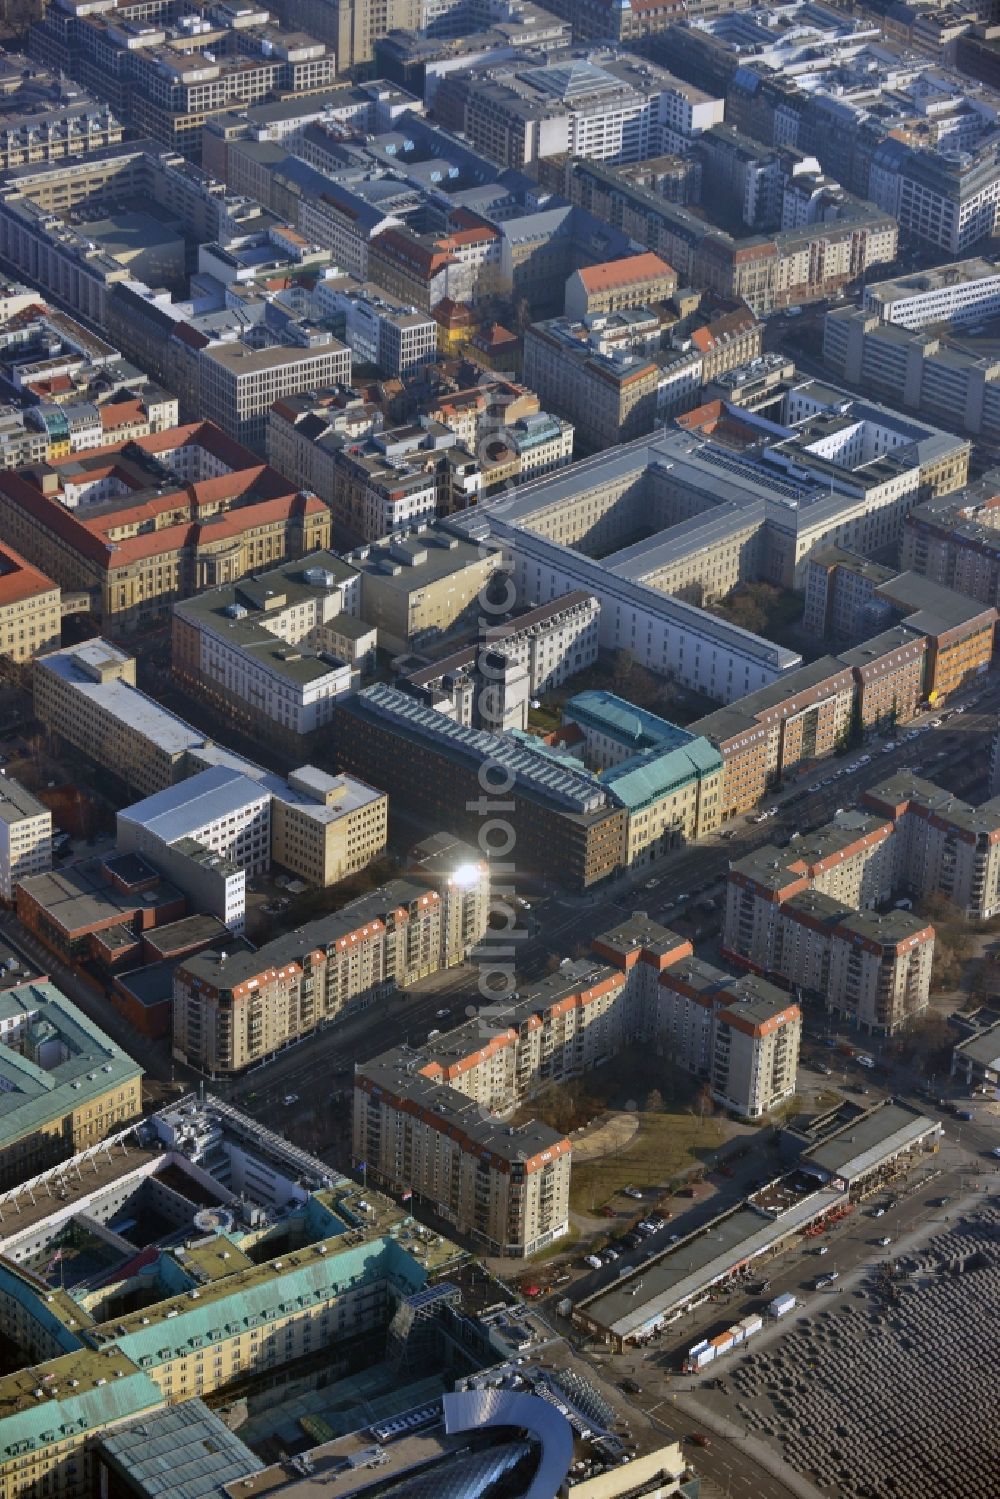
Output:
x=664 y=1147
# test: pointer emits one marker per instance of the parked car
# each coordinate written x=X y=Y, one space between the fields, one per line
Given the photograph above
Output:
x=289 y=1099
x=878 y=1212
x=885 y=1240
x=822 y=1281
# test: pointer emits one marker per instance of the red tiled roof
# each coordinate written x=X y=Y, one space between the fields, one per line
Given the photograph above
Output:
x=624 y=272
x=495 y=337
x=121 y=414
x=19 y=579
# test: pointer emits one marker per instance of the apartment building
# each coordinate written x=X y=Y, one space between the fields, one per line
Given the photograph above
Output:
x=25 y=836
x=506 y=1186
x=959 y=631
x=803 y=715
x=908 y=836
x=872 y=969
x=60 y=134
x=890 y=673
x=66 y=1085
x=946 y=846
x=425 y=581
x=955 y=542
x=224 y=1311
x=637 y=281
x=238 y=384
x=430 y=1120
x=461 y=877
x=143 y=522
x=234 y=1009
x=30 y=608
x=264 y=651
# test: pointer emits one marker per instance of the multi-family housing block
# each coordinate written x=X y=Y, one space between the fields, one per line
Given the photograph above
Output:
x=234 y=1009
x=430 y=1120
x=793 y=914
x=792 y=911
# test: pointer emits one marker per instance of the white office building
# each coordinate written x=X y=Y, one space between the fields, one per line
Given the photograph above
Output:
x=964 y=292
x=25 y=836
x=394 y=338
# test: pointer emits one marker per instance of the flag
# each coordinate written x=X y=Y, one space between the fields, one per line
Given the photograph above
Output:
x=362 y=1165
x=53 y=1261
x=407 y=1194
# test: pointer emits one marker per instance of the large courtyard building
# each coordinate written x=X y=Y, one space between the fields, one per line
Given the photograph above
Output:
x=220 y=1302
x=709 y=515
x=65 y=1083
x=145 y=522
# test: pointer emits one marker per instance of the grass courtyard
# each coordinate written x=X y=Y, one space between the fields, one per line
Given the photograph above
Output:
x=664 y=1147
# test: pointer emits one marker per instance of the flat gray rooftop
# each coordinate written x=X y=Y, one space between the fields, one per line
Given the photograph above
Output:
x=655 y=1289
x=861 y=1145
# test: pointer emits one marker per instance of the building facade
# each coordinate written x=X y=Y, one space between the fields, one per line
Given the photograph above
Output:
x=25 y=836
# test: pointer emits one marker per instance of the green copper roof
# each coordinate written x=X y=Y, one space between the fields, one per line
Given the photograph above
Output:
x=70 y=1061
x=305 y=1277
x=79 y=1392
x=633 y=727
